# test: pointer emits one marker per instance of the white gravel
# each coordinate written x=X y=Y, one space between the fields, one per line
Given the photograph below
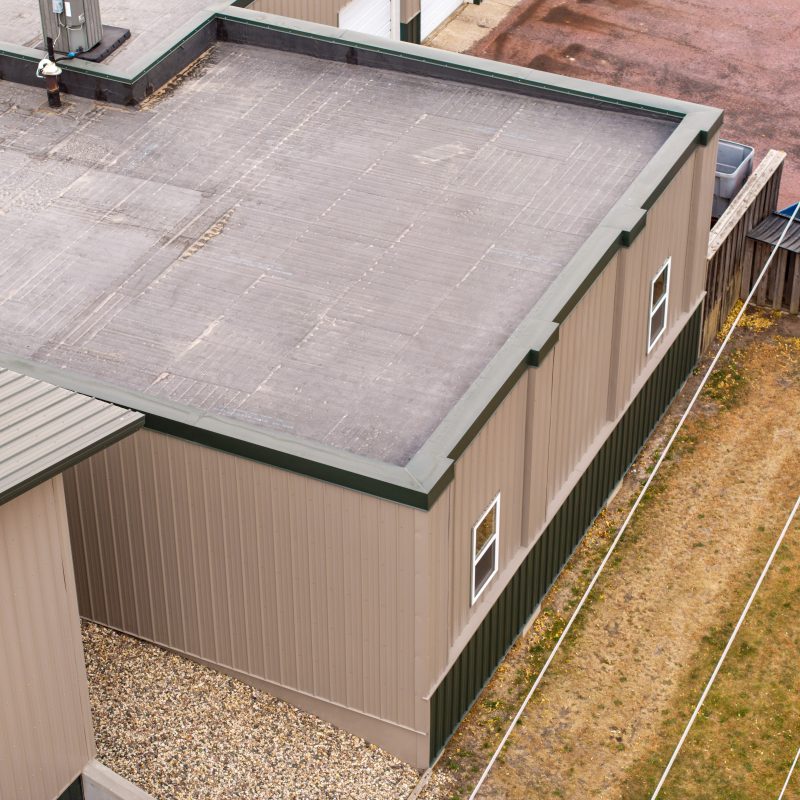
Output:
x=180 y=730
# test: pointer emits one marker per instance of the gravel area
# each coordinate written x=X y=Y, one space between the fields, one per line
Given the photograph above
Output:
x=180 y=730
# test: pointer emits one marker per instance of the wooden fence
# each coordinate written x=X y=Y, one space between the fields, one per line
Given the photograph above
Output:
x=780 y=288
x=728 y=249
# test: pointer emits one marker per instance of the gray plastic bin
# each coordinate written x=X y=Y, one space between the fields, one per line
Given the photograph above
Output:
x=734 y=165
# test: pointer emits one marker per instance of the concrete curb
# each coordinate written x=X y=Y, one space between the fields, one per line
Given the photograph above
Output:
x=101 y=783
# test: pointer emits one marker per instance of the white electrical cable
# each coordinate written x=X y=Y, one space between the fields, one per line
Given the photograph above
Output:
x=725 y=651
x=789 y=776
x=632 y=511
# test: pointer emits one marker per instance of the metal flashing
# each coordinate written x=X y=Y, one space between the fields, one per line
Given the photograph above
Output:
x=45 y=428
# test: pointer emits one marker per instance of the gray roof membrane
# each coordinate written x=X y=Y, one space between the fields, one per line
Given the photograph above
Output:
x=314 y=247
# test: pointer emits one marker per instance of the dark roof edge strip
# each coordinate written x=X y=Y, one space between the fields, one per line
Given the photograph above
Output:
x=284 y=451
x=74 y=458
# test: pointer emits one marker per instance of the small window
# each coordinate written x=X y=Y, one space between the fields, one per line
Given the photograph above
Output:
x=485 y=548
x=659 y=298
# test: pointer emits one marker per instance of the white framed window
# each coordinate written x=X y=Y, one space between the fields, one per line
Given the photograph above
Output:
x=659 y=305
x=485 y=548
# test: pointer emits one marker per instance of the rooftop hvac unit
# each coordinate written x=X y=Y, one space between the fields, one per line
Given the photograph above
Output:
x=73 y=25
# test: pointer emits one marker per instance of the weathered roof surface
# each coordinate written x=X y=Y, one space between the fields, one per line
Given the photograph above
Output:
x=44 y=429
x=314 y=247
x=771 y=229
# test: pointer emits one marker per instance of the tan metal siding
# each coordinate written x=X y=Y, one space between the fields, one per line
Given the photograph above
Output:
x=534 y=513
x=46 y=735
x=299 y=584
x=440 y=595
x=492 y=463
x=705 y=167
x=323 y=11
x=581 y=370
x=674 y=230
x=409 y=9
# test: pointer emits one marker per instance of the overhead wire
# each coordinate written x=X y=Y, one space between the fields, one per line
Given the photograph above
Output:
x=789 y=776
x=728 y=646
x=635 y=506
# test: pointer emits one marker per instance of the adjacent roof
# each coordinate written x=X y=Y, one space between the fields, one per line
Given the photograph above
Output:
x=771 y=229
x=44 y=429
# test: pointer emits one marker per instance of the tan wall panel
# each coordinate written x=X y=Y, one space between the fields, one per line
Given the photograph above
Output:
x=303 y=585
x=409 y=9
x=46 y=735
x=492 y=463
x=441 y=575
x=674 y=229
x=540 y=395
x=581 y=370
x=323 y=11
x=705 y=167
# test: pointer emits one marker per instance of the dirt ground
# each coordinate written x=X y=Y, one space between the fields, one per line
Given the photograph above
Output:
x=738 y=55
x=634 y=664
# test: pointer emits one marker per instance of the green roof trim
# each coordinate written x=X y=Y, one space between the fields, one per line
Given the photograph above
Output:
x=431 y=469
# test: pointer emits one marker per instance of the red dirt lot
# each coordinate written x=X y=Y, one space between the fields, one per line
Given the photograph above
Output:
x=739 y=55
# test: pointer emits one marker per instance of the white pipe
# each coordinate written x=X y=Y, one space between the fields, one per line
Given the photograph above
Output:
x=725 y=651
x=395 y=12
x=789 y=776
x=625 y=524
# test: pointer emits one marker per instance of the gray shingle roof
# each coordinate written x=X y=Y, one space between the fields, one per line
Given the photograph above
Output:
x=44 y=429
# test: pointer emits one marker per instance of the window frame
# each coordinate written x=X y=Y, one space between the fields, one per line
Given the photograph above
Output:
x=492 y=541
x=654 y=309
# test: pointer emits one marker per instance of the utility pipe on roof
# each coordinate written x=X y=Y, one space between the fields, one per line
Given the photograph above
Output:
x=394 y=20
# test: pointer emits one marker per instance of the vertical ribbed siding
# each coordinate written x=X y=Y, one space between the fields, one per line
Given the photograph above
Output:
x=304 y=585
x=493 y=463
x=670 y=232
x=459 y=688
x=322 y=11
x=580 y=380
x=46 y=735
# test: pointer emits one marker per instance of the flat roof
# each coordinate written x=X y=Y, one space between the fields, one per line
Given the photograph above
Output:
x=44 y=429
x=318 y=248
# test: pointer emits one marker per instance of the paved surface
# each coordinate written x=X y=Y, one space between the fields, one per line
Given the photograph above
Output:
x=149 y=23
x=310 y=246
x=737 y=55
x=470 y=24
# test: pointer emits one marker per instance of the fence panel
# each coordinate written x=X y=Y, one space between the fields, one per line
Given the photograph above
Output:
x=731 y=254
